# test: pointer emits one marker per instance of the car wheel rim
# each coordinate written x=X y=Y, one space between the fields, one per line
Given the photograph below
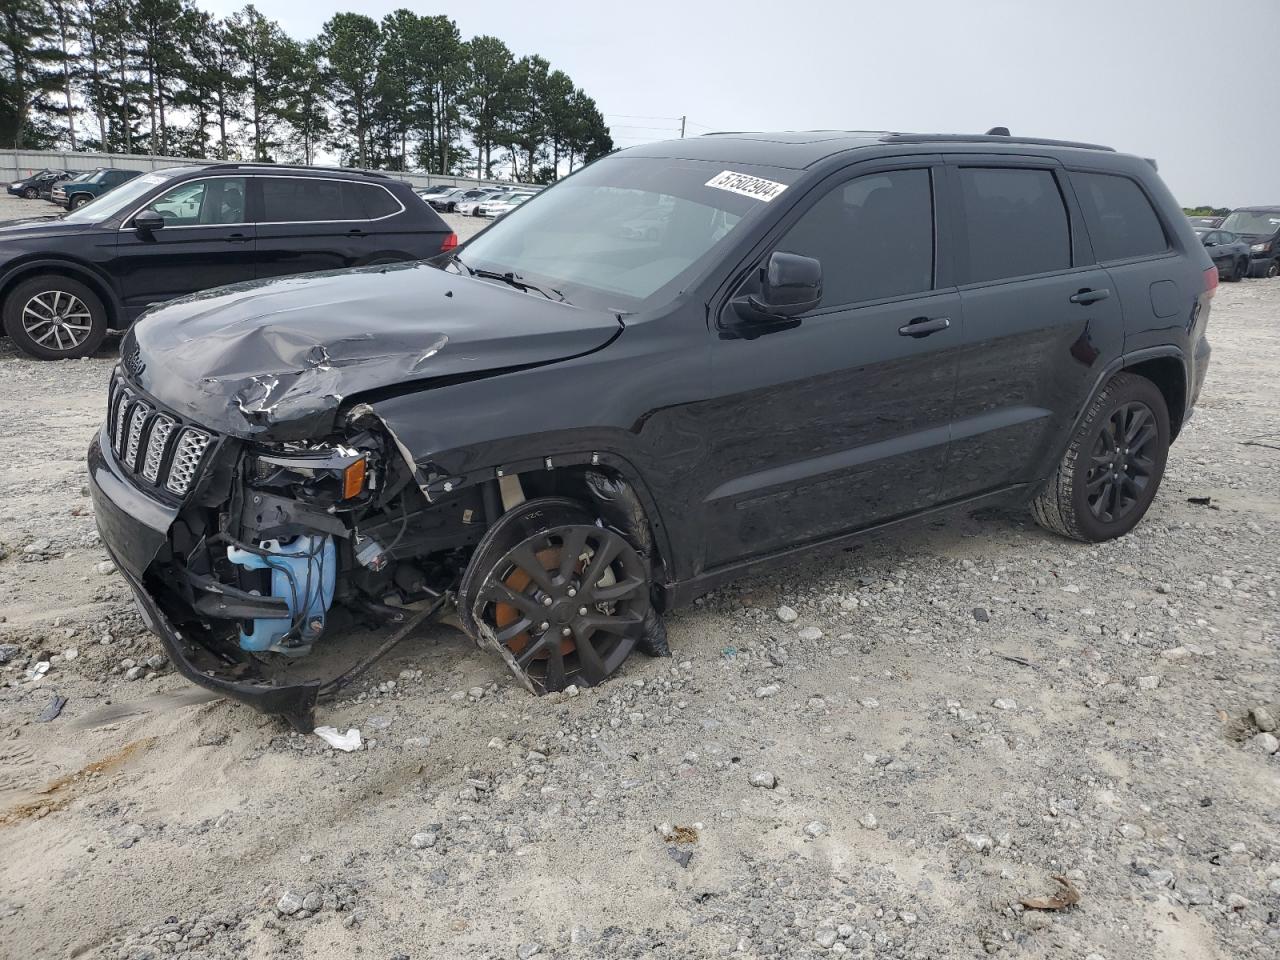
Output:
x=1273 y=270
x=1121 y=464
x=567 y=604
x=57 y=320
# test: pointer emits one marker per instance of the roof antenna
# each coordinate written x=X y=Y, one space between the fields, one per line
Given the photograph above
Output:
x=998 y=132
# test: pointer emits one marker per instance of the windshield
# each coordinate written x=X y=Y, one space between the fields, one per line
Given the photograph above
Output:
x=1251 y=221
x=619 y=231
x=122 y=197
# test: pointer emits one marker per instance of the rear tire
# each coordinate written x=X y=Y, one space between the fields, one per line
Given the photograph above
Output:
x=52 y=317
x=1111 y=471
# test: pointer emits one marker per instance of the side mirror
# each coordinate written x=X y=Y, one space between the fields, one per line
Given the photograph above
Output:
x=148 y=221
x=789 y=285
x=1208 y=242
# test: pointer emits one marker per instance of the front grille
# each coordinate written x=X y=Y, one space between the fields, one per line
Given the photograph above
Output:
x=186 y=460
x=157 y=449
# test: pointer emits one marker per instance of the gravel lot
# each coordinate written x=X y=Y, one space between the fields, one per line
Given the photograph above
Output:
x=878 y=752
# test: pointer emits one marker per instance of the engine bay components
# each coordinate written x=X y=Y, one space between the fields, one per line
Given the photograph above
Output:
x=303 y=573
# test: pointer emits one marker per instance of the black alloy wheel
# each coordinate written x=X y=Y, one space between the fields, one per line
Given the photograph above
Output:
x=1121 y=465
x=1112 y=468
x=30 y=193
x=564 y=600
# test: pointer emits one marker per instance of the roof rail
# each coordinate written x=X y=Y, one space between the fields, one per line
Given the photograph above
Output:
x=260 y=165
x=989 y=138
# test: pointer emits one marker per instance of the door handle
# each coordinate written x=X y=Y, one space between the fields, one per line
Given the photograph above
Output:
x=1089 y=296
x=923 y=326
x=237 y=238
x=355 y=232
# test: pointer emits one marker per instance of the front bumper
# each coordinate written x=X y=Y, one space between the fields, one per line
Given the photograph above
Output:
x=134 y=529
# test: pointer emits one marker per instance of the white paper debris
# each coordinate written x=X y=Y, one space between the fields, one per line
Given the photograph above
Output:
x=339 y=741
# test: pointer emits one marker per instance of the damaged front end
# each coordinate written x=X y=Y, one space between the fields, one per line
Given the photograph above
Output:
x=240 y=551
x=252 y=499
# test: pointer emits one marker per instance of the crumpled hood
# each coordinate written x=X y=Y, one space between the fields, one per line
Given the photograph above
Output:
x=277 y=357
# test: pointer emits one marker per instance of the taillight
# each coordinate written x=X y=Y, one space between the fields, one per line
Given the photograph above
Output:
x=450 y=243
x=1210 y=281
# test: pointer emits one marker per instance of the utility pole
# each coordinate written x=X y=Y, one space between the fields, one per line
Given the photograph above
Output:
x=682 y=120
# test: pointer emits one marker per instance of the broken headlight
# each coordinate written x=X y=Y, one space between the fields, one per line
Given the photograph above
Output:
x=328 y=474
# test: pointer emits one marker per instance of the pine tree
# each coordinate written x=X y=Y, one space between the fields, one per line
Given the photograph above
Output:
x=351 y=43
x=30 y=73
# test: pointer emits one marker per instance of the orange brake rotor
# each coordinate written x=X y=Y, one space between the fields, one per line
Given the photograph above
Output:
x=504 y=614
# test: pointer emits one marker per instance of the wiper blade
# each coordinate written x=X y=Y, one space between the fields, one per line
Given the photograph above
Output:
x=512 y=280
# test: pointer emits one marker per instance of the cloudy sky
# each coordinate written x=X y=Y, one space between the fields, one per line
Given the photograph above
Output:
x=1169 y=79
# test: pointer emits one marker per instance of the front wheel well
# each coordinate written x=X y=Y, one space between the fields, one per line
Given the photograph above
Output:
x=86 y=277
x=1170 y=377
x=613 y=495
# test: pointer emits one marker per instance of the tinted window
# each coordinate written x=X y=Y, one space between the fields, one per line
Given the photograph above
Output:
x=873 y=235
x=202 y=202
x=1123 y=223
x=377 y=201
x=1015 y=223
x=306 y=199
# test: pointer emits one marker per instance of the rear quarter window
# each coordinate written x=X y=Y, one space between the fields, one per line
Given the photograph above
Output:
x=1122 y=222
x=378 y=203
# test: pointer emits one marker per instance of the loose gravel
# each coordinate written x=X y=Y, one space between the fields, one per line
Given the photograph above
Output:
x=878 y=752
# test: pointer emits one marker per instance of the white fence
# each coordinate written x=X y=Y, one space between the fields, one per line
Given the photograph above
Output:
x=15 y=164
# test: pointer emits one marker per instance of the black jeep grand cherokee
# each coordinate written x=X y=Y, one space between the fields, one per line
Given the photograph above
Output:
x=568 y=427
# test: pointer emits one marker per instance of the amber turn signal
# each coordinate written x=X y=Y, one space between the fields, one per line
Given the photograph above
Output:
x=353 y=479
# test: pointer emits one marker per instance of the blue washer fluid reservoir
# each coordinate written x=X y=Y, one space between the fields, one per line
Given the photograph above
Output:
x=303 y=573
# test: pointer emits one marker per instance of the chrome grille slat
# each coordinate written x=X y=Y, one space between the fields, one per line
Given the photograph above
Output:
x=122 y=410
x=138 y=415
x=156 y=449
x=187 y=454
x=159 y=440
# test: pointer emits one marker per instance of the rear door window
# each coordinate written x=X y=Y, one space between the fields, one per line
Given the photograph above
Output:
x=1122 y=222
x=309 y=200
x=1015 y=223
x=873 y=236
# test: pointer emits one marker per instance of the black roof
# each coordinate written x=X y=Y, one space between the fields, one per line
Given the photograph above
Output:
x=798 y=149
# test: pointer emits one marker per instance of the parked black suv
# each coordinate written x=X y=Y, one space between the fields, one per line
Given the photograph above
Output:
x=572 y=428
x=65 y=280
x=39 y=183
x=1260 y=228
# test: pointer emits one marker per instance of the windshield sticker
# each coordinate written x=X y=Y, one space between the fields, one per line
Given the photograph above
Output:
x=746 y=185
